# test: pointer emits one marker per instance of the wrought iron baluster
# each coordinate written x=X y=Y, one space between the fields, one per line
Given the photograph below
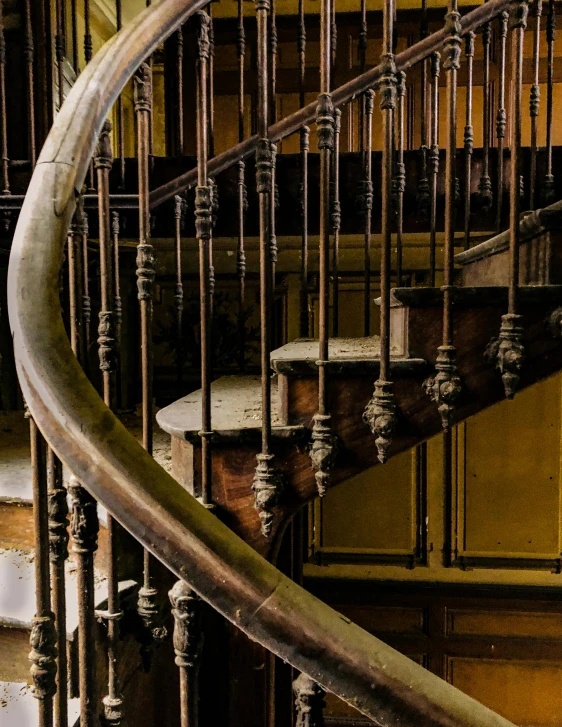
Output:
x=188 y=644
x=508 y=351
x=75 y=44
x=309 y=702
x=146 y=604
x=84 y=527
x=534 y=102
x=242 y=192
x=366 y=201
x=433 y=165
x=324 y=445
x=549 y=191
x=400 y=174
x=58 y=542
x=268 y=482
x=43 y=638
x=117 y=304
x=211 y=79
x=273 y=57
x=485 y=194
x=120 y=109
x=178 y=296
x=380 y=413
x=88 y=46
x=74 y=253
x=336 y=222
x=3 y=112
x=362 y=50
x=29 y=55
x=501 y=118
x=468 y=136
x=304 y=146
x=179 y=90
x=86 y=300
x=60 y=47
x=445 y=387
x=107 y=341
x=333 y=40
x=423 y=195
x=203 y=225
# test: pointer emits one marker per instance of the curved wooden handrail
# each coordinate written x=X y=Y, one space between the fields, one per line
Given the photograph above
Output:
x=185 y=536
x=340 y=96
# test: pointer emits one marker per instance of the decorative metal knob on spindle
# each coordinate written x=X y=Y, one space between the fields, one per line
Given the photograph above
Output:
x=309 y=702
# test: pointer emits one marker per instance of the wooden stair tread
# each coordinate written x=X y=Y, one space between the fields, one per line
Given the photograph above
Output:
x=477 y=296
x=235 y=411
x=347 y=357
x=17 y=590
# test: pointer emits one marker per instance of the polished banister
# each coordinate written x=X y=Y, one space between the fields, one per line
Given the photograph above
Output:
x=190 y=540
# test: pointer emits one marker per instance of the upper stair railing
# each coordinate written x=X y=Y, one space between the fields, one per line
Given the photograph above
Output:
x=108 y=463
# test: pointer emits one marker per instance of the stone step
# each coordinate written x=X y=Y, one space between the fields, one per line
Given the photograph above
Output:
x=19 y=708
x=17 y=607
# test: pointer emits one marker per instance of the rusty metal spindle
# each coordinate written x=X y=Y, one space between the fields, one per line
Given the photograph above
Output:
x=58 y=547
x=445 y=387
x=485 y=185
x=146 y=604
x=549 y=192
x=508 y=350
x=29 y=53
x=203 y=224
x=178 y=295
x=120 y=110
x=188 y=645
x=433 y=165
x=423 y=195
x=75 y=48
x=3 y=113
x=179 y=90
x=60 y=48
x=268 y=482
x=117 y=304
x=88 y=47
x=211 y=79
x=274 y=204
x=242 y=193
x=333 y=39
x=273 y=57
x=362 y=50
x=86 y=300
x=304 y=146
x=43 y=637
x=324 y=445
x=380 y=413
x=336 y=222
x=113 y=701
x=309 y=702
x=468 y=136
x=400 y=175
x=366 y=197
x=534 y=102
x=75 y=280
x=501 y=117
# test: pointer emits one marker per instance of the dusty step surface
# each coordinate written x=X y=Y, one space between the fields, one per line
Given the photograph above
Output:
x=18 y=706
x=235 y=411
x=346 y=357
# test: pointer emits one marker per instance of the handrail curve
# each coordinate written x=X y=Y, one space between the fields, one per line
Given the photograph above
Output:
x=340 y=96
x=250 y=592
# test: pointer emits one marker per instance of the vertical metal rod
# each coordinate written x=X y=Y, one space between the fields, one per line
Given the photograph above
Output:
x=274 y=204
x=324 y=444
x=333 y=40
x=112 y=702
x=336 y=222
x=60 y=49
x=423 y=196
x=179 y=87
x=534 y=102
x=146 y=604
x=188 y=644
x=273 y=59
x=203 y=223
x=304 y=146
x=88 y=47
x=380 y=413
x=3 y=113
x=120 y=109
x=367 y=203
x=433 y=165
x=211 y=78
x=468 y=136
x=117 y=306
x=400 y=175
x=178 y=296
x=362 y=50
x=267 y=484
x=84 y=528
x=58 y=542
x=74 y=253
x=75 y=49
x=549 y=192
x=485 y=185
x=309 y=702
x=242 y=193
x=86 y=301
x=29 y=54
x=509 y=351
x=501 y=118
x=43 y=637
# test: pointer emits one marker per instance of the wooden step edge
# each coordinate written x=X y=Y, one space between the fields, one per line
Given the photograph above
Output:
x=303 y=368
x=470 y=297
